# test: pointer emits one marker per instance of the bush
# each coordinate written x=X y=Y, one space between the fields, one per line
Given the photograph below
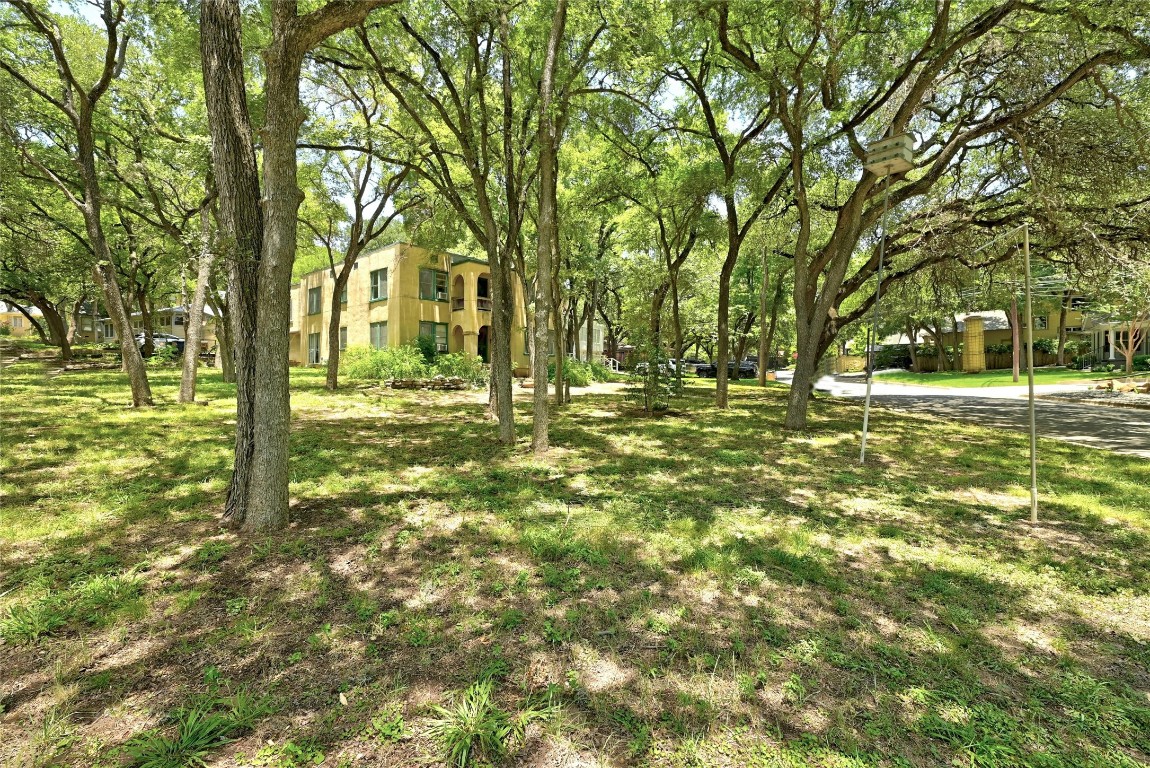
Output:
x=1046 y=346
x=368 y=364
x=164 y=356
x=893 y=356
x=599 y=371
x=461 y=365
x=5 y=329
x=426 y=345
x=1142 y=362
x=1000 y=349
x=576 y=372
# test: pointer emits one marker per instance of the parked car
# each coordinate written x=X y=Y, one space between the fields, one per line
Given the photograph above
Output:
x=746 y=370
x=162 y=340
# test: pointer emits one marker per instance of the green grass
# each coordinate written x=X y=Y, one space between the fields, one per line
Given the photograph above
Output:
x=697 y=589
x=996 y=378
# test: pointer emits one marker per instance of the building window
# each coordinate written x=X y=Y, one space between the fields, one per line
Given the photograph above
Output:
x=86 y=324
x=314 y=302
x=432 y=285
x=109 y=331
x=343 y=338
x=343 y=295
x=177 y=320
x=17 y=322
x=437 y=331
x=379 y=335
x=313 y=349
x=1040 y=324
x=379 y=284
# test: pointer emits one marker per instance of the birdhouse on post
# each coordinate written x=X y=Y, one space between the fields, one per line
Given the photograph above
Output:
x=894 y=154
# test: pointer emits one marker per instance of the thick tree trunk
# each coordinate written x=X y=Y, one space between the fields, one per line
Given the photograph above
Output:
x=194 y=320
x=237 y=181
x=911 y=332
x=58 y=332
x=74 y=319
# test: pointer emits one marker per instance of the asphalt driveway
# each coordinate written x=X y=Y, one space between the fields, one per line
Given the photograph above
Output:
x=1123 y=430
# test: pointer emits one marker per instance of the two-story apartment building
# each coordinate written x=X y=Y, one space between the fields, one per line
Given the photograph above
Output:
x=401 y=291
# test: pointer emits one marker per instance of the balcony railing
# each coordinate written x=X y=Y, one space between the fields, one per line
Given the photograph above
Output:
x=484 y=304
x=456 y=303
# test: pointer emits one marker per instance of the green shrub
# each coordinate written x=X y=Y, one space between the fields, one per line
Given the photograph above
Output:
x=164 y=356
x=5 y=329
x=369 y=364
x=462 y=365
x=1046 y=346
x=575 y=372
x=599 y=371
x=892 y=356
x=1004 y=348
x=426 y=345
x=1142 y=362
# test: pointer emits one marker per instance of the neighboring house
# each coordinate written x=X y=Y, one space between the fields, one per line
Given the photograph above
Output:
x=1104 y=331
x=168 y=320
x=402 y=291
x=996 y=328
x=15 y=321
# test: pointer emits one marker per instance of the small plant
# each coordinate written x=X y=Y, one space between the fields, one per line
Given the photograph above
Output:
x=388 y=726
x=474 y=727
x=198 y=732
x=289 y=755
x=27 y=623
x=212 y=553
x=164 y=356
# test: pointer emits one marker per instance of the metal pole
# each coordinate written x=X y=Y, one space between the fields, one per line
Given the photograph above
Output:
x=874 y=325
x=1030 y=379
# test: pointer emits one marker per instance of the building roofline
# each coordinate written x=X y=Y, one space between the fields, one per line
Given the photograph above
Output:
x=456 y=258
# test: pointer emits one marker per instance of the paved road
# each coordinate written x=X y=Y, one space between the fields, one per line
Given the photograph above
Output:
x=1124 y=430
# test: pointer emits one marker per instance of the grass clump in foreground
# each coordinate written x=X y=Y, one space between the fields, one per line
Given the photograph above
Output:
x=700 y=588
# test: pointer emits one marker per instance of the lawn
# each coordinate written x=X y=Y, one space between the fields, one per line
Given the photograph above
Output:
x=696 y=589
x=996 y=378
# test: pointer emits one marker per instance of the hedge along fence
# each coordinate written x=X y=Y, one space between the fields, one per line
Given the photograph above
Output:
x=995 y=361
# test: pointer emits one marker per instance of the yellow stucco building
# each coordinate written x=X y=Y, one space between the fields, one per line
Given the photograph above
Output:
x=396 y=293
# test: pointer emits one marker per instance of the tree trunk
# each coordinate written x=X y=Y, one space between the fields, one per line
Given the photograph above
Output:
x=45 y=339
x=911 y=332
x=591 y=323
x=763 y=343
x=724 y=309
x=237 y=181
x=74 y=319
x=225 y=360
x=194 y=320
x=58 y=332
x=1067 y=296
x=547 y=226
x=331 y=380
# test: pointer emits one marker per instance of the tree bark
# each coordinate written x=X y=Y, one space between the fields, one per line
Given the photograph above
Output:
x=1067 y=296
x=237 y=181
x=194 y=319
x=548 y=170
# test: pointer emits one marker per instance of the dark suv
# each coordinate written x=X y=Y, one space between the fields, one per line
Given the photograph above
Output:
x=746 y=370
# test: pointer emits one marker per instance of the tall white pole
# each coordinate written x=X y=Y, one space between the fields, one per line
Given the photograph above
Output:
x=871 y=356
x=1030 y=378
